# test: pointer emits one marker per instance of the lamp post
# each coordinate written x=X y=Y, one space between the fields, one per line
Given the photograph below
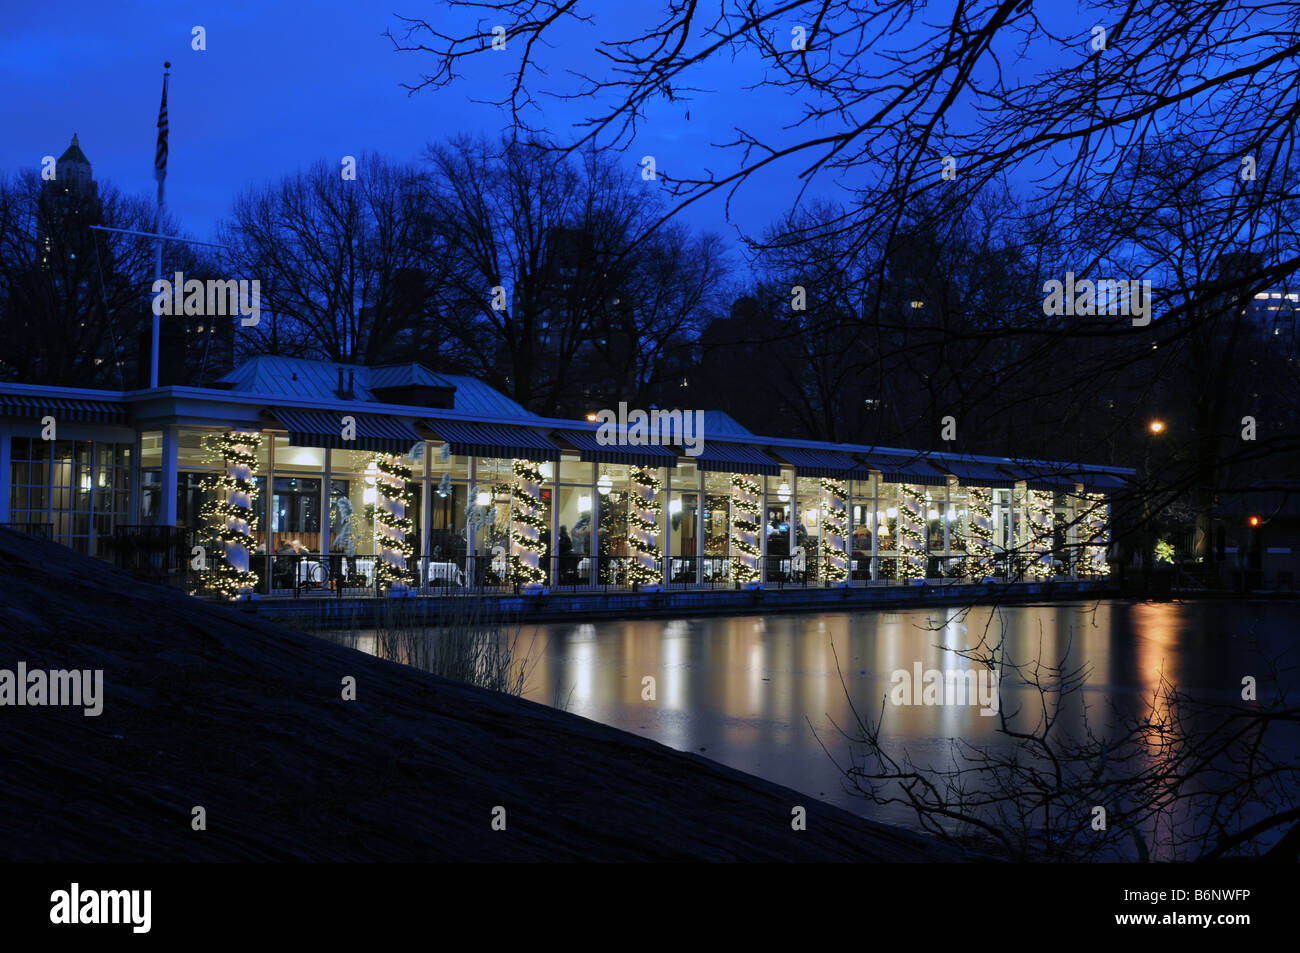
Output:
x=1155 y=428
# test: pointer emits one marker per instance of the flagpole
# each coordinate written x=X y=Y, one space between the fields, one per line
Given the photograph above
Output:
x=160 y=173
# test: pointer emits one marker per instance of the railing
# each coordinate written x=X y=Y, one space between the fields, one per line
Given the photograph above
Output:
x=353 y=575
x=162 y=554
x=39 y=530
x=341 y=575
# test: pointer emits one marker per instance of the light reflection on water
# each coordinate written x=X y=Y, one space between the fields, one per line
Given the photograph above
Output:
x=765 y=693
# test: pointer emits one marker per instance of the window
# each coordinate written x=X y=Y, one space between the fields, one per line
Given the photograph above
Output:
x=79 y=488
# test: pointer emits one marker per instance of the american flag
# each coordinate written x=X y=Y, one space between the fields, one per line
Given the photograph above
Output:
x=160 y=156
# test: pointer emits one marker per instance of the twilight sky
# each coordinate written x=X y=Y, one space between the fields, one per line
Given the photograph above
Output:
x=283 y=84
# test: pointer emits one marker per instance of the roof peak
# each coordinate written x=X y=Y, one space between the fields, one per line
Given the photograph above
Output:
x=73 y=153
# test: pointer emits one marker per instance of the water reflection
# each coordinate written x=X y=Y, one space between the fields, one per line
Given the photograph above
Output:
x=765 y=693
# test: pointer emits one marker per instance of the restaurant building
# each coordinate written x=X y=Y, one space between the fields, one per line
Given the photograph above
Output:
x=292 y=476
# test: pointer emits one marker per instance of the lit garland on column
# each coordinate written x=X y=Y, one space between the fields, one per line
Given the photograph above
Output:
x=835 y=525
x=526 y=523
x=1040 y=534
x=911 y=540
x=643 y=509
x=230 y=513
x=744 y=528
x=979 y=536
x=393 y=528
x=1094 y=518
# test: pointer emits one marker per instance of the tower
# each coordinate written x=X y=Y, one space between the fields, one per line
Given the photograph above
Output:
x=72 y=172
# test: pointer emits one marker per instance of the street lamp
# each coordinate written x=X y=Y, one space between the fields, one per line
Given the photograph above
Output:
x=1156 y=426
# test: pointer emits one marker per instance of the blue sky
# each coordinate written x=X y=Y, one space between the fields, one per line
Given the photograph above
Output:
x=279 y=87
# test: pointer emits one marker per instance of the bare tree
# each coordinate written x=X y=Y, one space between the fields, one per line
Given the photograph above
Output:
x=346 y=265
x=554 y=282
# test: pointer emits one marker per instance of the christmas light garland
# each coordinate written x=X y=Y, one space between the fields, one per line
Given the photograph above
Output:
x=744 y=528
x=526 y=523
x=1040 y=534
x=1096 y=515
x=979 y=534
x=835 y=522
x=643 y=511
x=911 y=514
x=231 y=522
x=393 y=528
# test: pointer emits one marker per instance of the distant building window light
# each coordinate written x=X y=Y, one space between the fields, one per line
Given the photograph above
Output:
x=917 y=305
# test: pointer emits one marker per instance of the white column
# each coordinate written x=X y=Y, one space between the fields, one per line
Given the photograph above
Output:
x=237 y=555
x=873 y=570
x=6 y=473
x=327 y=497
x=426 y=514
x=167 y=505
x=553 y=566
x=666 y=526
x=471 y=536
x=386 y=536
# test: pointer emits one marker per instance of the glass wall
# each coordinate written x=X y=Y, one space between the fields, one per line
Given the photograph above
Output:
x=862 y=526
x=806 y=562
x=683 y=523
x=574 y=564
x=887 y=531
x=957 y=517
x=448 y=502
x=612 y=502
x=777 y=528
x=717 y=527
x=79 y=488
x=150 y=476
x=936 y=546
x=493 y=479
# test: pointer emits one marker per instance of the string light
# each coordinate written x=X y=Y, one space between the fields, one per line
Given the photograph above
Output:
x=979 y=542
x=643 y=526
x=526 y=511
x=230 y=522
x=835 y=523
x=1095 y=518
x=911 y=542
x=744 y=528
x=1040 y=533
x=393 y=532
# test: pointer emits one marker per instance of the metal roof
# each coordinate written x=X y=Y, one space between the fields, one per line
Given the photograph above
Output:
x=718 y=422
x=273 y=375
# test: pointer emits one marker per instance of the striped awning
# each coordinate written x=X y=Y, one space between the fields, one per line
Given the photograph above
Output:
x=895 y=468
x=975 y=473
x=719 y=457
x=499 y=441
x=325 y=428
x=822 y=463
x=1102 y=481
x=62 y=408
x=591 y=450
x=1048 y=480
